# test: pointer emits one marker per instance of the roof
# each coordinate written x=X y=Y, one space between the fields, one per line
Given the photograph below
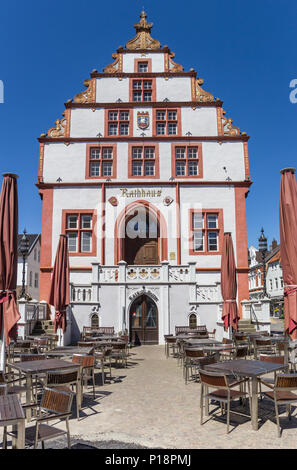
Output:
x=269 y=255
x=32 y=237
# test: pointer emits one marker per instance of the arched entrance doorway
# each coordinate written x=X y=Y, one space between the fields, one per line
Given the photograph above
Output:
x=141 y=235
x=142 y=232
x=143 y=321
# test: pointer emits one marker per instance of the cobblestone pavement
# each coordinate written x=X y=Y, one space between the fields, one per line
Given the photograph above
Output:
x=149 y=405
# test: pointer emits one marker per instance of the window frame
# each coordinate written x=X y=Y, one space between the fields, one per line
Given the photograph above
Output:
x=118 y=122
x=205 y=230
x=167 y=121
x=142 y=78
x=187 y=160
x=101 y=160
x=80 y=213
x=143 y=160
x=143 y=60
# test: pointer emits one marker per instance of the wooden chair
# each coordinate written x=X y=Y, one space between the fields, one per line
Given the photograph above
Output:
x=282 y=394
x=227 y=353
x=241 y=352
x=119 y=353
x=64 y=379
x=191 y=362
x=263 y=346
x=212 y=333
x=86 y=344
x=54 y=405
x=171 y=345
x=102 y=359
x=166 y=344
x=270 y=380
x=87 y=372
x=223 y=392
x=38 y=379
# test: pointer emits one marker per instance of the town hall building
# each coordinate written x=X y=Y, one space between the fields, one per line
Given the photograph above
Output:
x=144 y=172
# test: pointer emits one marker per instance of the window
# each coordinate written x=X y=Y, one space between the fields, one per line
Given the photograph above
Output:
x=143 y=161
x=192 y=320
x=118 y=122
x=142 y=90
x=94 y=320
x=276 y=283
x=101 y=162
x=281 y=282
x=38 y=256
x=78 y=227
x=36 y=280
x=142 y=67
x=30 y=278
x=167 y=122
x=206 y=231
x=270 y=284
x=187 y=161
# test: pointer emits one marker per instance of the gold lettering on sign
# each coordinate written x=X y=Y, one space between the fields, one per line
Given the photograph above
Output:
x=141 y=192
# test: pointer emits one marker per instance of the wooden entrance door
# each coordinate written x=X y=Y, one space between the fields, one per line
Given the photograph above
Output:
x=142 y=249
x=143 y=321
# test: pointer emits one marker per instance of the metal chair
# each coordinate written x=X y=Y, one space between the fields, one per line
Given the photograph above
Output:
x=224 y=394
x=87 y=373
x=263 y=346
x=171 y=345
x=119 y=353
x=64 y=379
x=103 y=358
x=282 y=394
x=166 y=343
x=54 y=405
x=191 y=362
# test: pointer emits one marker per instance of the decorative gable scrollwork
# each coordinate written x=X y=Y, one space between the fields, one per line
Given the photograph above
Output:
x=60 y=129
x=116 y=66
x=87 y=96
x=173 y=66
x=228 y=127
x=202 y=95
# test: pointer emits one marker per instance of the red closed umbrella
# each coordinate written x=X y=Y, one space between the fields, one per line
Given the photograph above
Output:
x=9 y=314
x=228 y=284
x=288 y=247
x=59 y=293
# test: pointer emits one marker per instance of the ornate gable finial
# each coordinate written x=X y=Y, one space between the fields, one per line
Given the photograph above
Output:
x=143 y=39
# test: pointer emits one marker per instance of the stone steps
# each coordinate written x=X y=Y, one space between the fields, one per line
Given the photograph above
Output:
x=246 y=326
x=43 y=326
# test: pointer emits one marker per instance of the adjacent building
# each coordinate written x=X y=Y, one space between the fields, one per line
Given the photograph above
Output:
x=144 y=172
x=32 y=267
x=274 y=277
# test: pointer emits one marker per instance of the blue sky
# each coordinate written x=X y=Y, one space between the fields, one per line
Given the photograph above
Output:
x=245 y=51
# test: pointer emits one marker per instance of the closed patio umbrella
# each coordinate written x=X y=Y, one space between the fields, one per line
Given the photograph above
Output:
x=9 y=314
x=59 y=293
x=288 y=247
x=228 y=284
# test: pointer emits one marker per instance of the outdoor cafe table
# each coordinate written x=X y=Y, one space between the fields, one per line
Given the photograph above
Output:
x=250 y=369
x=12 y=414
x=61 y=351
x=206 y=342
x=30 y=368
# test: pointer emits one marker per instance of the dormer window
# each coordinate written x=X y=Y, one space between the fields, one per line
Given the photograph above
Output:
x=142 y=67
